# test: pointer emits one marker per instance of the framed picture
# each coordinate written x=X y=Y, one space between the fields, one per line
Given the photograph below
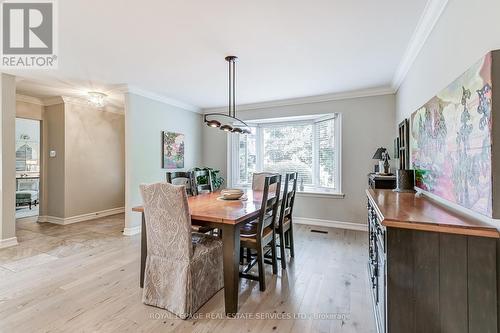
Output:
x=172 y=153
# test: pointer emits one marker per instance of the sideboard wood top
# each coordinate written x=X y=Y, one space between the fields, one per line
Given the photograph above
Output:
x=411 y=211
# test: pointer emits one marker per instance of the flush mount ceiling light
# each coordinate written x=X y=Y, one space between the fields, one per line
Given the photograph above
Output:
x=228 y=122
x=97 y=99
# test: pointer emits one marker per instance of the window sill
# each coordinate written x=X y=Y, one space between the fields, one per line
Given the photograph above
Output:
x=321 y=195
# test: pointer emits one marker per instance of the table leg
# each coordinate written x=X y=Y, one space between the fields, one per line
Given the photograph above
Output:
x=231 y=259
x=144 y=250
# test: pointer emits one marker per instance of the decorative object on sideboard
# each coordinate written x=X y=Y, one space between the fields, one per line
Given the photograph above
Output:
x=383 y=164
x=405 y=181
x=228 y=122
x=404 y=144
x=451 y=140
x=396 y=148
x=172 y=152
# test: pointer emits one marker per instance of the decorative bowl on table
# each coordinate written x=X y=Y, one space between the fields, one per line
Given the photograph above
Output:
x=231 y=194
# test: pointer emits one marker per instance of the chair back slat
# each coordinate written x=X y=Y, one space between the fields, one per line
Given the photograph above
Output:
x=288 y=199
x=202 y=188
x=181 y=178
x=270 y=202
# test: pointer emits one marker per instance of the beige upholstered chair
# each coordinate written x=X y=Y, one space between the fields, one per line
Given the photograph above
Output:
x=183 y=269
x=258 y=180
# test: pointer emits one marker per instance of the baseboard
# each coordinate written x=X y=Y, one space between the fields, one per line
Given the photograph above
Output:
x=132 y=231
x=331 y=224
x=8 y=242
x=80 y=218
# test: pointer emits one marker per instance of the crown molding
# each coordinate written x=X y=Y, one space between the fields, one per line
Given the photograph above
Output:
x=52 y=100
x=159 y=98
x=66 y=100
x=430 y=16
x=29 y=99
x=309 y=99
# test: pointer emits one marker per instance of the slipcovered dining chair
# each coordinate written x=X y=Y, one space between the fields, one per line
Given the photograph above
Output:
x=183 y=269
x=258 y=179
x=186 y=179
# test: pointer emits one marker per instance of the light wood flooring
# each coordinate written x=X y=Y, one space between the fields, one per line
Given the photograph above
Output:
x=84 y=277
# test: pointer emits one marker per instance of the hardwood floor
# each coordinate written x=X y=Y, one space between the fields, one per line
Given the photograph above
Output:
x=84 y=277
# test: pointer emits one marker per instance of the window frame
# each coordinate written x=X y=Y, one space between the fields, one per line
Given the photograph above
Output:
x=316 y=189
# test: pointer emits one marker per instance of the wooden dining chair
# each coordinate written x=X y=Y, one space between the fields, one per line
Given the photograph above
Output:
x=284 y=225
x=181 y=178
x=260 y=236
x=183 y=269
x=186 y=179
x=198 y=187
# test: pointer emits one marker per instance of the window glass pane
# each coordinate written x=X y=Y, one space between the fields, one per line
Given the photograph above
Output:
x=247 y=156
x=326 y=153
x=289 y=148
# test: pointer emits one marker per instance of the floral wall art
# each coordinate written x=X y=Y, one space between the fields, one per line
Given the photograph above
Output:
x=172 y=150
x=451 y=140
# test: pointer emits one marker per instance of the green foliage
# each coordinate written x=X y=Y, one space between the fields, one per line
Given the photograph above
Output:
x=217 y=180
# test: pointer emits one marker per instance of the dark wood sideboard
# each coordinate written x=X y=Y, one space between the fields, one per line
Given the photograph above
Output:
x=430 y=269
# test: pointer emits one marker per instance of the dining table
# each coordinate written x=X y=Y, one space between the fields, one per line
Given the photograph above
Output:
x=211 y=210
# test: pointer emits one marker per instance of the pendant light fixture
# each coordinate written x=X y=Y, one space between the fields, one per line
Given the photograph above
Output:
x=228 y=122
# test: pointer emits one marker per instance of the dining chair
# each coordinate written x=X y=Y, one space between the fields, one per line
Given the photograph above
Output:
x=198 y=187
x=181 y=178
x=261 y=236
x=258 y=179
x=186 y=179
x=284 y=225
x=183 y=269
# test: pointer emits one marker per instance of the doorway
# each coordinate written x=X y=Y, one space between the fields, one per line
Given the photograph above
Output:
x=28 y=160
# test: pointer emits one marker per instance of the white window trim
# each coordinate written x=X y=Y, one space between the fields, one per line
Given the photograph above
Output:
x=233 y=150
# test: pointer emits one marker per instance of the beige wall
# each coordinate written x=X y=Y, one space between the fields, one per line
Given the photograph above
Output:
x=94 y=160
x=367 y=123
x=87 y=175
x=7 y=158
x=53 y=200
x=29 y=110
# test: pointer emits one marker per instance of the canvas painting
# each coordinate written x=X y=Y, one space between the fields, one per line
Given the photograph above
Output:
x=172 y=150
x=451 y=143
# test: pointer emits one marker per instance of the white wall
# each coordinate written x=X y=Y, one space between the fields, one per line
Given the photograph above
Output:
x=367 y=123
x=145 y=119
x=466 y=31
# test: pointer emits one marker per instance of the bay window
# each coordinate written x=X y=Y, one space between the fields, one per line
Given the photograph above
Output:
x=307 y=145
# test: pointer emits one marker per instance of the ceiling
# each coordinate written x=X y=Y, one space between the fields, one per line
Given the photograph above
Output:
x=176 y=48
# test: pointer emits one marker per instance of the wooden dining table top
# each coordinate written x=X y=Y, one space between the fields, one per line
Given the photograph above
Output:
x=209 y=207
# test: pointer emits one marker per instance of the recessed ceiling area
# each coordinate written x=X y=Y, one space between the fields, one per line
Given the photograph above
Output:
x=176 y=48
